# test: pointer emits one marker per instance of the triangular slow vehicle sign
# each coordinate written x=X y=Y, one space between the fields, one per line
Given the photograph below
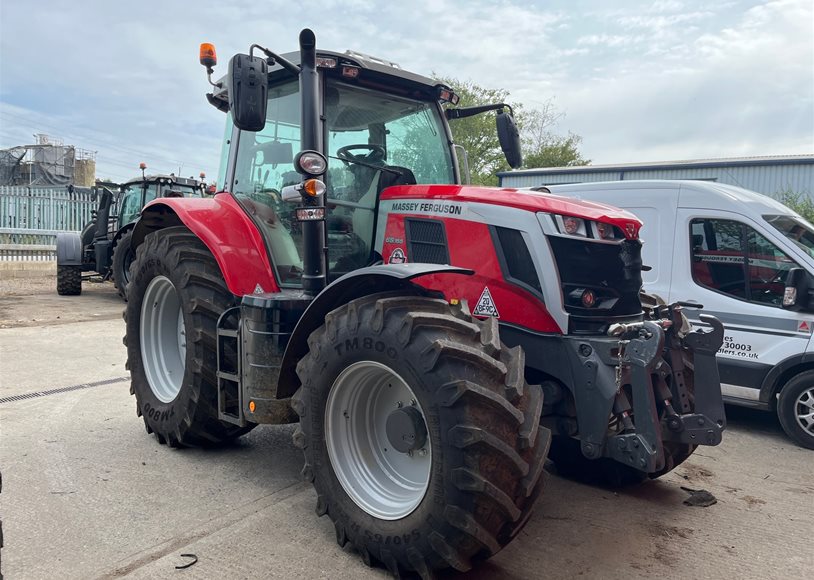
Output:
x=486 y=305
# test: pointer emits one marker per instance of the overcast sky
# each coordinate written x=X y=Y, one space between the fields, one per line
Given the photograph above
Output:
x=639 y=81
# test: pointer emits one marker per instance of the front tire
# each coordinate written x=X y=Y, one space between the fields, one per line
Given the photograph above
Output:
x=177 y=293
x=445 y=478
x=566 y=453
x=122 y=260
x=795 y=408
x=69 y=280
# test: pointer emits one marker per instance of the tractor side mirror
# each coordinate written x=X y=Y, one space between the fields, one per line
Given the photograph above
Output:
x=509 y=137
x=248 y=91
x=798 y=288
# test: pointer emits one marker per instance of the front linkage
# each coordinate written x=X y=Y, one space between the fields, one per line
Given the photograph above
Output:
x=659 y=384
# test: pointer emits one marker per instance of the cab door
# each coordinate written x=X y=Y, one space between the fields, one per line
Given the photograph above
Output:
x=724 y=262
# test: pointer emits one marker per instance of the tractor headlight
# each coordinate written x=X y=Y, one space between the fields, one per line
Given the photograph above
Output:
x=310 y=163
x=582 y=228
x=571 y=226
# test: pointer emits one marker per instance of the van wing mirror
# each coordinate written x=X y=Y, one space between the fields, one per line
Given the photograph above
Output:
x=248 y=91
x=509 y=137
x=798 y=289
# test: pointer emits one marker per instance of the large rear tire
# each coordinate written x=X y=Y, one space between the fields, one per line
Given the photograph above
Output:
x=122 y=259
x=176 y=295
x=420 y=434
x=69 y=280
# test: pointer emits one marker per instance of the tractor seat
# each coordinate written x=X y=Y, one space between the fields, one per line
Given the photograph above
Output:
x=363 y=218
x=388 y=179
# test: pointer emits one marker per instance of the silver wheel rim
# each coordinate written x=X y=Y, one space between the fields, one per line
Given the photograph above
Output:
x=804 y=410
x=163 y=339
x=383 y=482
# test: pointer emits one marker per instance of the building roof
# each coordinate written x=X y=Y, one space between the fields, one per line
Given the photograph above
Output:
x=807 y=159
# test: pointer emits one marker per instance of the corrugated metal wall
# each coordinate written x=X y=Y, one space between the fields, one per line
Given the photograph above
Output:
x=767 y=179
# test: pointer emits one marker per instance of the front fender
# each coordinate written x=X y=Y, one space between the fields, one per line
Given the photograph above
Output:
x=362 y=282
x=222 y=225
x=69 y=249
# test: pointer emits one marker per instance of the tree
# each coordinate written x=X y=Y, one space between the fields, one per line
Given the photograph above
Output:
x=797 y=201
x=542 y=147
x=477 y=134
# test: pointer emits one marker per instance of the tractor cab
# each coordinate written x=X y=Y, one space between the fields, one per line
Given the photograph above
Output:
x=137 y=192
x=379 y=126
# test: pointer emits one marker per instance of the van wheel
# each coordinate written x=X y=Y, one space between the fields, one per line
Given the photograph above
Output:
x=795 y=408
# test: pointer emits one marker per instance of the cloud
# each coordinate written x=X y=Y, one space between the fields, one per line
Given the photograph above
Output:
x=745 y=87
x=670 y=79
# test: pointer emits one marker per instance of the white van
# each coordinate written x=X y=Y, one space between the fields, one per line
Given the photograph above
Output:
x=732 y=250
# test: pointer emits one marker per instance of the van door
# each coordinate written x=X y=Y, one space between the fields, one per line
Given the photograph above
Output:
x=656 y=233
x=724 y=262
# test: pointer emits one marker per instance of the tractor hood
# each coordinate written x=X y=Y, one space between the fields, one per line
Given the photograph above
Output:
x=532 y=201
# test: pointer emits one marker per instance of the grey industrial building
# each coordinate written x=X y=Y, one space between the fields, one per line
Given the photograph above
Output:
x=767 y=175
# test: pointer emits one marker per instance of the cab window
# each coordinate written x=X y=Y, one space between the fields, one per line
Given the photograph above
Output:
x=264 y=165
x=374 y=140
x=733 y=258
x=131 y=201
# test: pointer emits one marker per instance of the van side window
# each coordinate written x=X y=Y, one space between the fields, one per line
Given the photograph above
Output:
x=732 y=258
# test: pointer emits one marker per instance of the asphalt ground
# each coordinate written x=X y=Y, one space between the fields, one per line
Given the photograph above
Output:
x=88 y=494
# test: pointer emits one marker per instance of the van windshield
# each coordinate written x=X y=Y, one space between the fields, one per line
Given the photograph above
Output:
x=798 y=231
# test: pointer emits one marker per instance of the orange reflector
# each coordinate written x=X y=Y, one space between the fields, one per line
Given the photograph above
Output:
x=208 y=57
x=313 y=187
x=252 y=406
x=454 y=301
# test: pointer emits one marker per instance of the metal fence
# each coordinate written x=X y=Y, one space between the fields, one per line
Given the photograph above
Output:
x=18 y=244
x=45 y=208
x=27 y=253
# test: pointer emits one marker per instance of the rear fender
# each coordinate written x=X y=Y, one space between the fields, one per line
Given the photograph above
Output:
x=362 y=282
x=222 y=225
x=69 y=249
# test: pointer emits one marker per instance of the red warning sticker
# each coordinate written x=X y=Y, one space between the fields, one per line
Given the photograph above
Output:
x=804 y=326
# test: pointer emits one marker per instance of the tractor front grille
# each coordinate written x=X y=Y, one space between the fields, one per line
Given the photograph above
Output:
x=612 y=272
x=426 y=241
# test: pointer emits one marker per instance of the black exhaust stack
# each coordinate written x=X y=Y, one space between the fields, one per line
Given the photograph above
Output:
x=101 y=243
x=314 y=278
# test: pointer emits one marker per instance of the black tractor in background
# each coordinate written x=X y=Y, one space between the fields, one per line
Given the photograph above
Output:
x=102 y=249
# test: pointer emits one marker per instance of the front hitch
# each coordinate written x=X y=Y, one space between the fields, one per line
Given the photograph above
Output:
x=705 y=426
x=642 y=449
x=662 y=402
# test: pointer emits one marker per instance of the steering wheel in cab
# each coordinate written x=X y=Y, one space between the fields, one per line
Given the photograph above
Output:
x=375 y=156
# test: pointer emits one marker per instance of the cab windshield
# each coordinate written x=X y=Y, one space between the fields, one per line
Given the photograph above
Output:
x=373 y=140
x=798 y=231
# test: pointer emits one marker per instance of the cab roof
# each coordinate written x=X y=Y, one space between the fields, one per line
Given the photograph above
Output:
x=190 y=182
x=374 y=72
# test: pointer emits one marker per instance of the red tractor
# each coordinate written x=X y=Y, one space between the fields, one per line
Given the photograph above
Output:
x=433 y=339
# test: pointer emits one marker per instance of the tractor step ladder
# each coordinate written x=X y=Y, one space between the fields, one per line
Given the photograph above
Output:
x=230 y=394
